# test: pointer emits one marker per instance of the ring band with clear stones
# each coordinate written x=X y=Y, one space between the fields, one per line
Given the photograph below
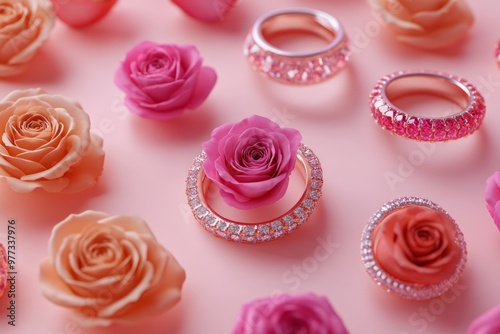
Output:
x=261 y=231
x=298 y=68
x=392 y=284
x=404 y=124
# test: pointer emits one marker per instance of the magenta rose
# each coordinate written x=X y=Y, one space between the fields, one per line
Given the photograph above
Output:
x=492 y=196
x=487 y=323
x=305 y=314
x=163 y=80
x=251 y=161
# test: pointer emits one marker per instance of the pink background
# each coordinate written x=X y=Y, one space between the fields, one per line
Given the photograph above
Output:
x=147 y=161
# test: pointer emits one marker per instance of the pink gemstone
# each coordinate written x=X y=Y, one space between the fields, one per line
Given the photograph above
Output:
x=387 y=123
x=439 y=130
x=399 y=124
x=426 y=130
x=471 y=121
x=463 y=130
x=377 y=116
x=451 y=125
x=412 y=128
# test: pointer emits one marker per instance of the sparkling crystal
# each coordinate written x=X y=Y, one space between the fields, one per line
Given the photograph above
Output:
x=263 y=229
x=254 y=49
x=316 y=184
x=288 y=220
x=249 y=230
x=299 y=212
x=399 y=124
x=292 y=73
x=412 y=127
x=452 y=127
x=221 y=226
x=276 y=226
x=463 y=126
x=194 y=202
x=209 y=220
x=308 y=204
x=234 y=229
x=266 y=237
x=317 y=173
x=250 y=239
x=200 y=211
x=426 y=129
x=439 y=130
x=267 y=64
x=192 y=192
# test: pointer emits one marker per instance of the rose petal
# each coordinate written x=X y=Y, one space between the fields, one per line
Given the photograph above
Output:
x=206 y=10
x=203 y=87
x=487 y=323
x=82 y=13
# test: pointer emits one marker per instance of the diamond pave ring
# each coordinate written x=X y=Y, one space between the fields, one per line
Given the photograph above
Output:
x=298 y=68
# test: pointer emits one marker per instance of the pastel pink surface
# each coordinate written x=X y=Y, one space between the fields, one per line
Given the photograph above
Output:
x=364 y=167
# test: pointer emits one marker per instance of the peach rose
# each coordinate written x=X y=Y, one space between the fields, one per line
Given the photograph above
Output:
x=426 y=24
x=46 y=143
x=416 y=244
x=109 y=269
x=24 y=26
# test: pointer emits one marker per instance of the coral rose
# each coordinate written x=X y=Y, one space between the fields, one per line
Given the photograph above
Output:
x=161 y=81
x=487 y=323
x=416 y=244
x=306 y=313
x=82 y=13
x=426 y=24
x=46 y=143
x=251 y=161
x=492 y=196
x=24 y=26
x=109 y=269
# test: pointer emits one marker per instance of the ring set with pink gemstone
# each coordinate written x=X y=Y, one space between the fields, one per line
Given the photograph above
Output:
x=313 y=67
x=424 y=228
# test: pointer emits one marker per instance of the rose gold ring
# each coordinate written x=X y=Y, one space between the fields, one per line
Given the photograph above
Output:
x=297 y=67
x=413 y=248
x=238 y=230
x=402 y=123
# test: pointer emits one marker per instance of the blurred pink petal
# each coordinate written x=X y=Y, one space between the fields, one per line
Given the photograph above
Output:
x=82 y=13
x=206 y=10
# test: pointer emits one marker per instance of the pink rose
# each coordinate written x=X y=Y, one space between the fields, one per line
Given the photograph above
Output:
x=206 y=10
x=492 y=196
x=251 y=161
x=46 y=143
x=109 y=269
x=306 y=313
x=427 y=24
x=82 y=13
x=24 y=26
x=487 y=323
x=3 y=270
x=161 y=81
x=416 y=244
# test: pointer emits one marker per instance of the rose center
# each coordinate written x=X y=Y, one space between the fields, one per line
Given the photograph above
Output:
x=156 y=64
x=424 y=235
x=294 y=325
